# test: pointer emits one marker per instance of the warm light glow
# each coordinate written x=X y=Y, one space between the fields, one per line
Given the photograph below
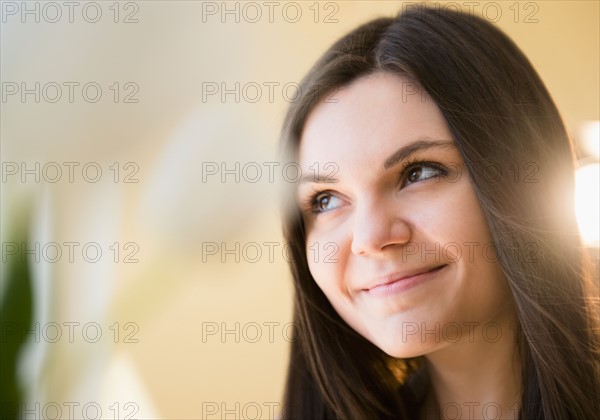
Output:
x=587 y=197
x=590 y=138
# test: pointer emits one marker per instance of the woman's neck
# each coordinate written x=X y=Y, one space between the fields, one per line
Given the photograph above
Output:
x=477 y=377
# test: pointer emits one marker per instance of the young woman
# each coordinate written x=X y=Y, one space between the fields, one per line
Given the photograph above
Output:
x=437 y=266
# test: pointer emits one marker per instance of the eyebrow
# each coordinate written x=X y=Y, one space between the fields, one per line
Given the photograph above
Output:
x=318 y=179
x=423 y=143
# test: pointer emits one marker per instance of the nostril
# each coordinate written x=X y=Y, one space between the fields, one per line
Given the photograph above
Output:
x=380 y=237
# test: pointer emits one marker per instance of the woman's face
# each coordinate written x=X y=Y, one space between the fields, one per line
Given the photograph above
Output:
x=396 y=238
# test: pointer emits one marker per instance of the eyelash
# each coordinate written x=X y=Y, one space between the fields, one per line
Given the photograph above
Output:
x=313 y=200
x=412 y=164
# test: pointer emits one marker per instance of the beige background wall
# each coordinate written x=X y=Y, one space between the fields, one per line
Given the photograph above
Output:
x=170 y=218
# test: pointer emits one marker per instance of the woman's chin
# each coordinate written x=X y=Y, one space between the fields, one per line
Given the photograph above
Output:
x=409 y=349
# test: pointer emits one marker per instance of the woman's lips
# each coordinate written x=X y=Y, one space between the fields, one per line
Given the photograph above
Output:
x=399 y=283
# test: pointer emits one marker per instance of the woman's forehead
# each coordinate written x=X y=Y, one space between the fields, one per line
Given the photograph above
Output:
x=370 y=118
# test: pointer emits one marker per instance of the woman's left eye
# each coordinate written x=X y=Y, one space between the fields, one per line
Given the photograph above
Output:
x=325 y=201
x=422 y=171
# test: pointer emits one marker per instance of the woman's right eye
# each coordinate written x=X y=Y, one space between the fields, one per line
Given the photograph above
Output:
x=325 y=201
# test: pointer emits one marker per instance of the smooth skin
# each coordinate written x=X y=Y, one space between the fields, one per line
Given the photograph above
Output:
x=386 y=188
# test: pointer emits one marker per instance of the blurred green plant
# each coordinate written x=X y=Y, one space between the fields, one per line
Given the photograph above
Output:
x=15 y=321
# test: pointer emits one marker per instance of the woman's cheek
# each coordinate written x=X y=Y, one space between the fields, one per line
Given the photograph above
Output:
x=324 y=260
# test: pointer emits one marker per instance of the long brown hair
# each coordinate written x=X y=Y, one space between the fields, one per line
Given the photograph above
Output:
x=498 y=111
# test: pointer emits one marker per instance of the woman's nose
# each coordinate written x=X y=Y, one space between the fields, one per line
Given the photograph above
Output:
x=377 y=226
